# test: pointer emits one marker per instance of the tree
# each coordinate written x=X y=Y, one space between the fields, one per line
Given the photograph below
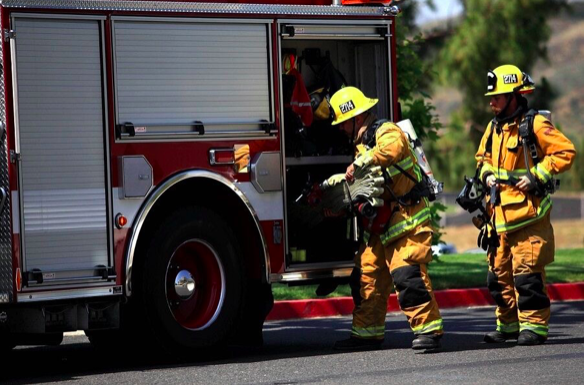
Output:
x=413 y=75
x=493 y=32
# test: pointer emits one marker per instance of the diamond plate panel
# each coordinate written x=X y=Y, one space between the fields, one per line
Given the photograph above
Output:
x=5 y=225
x=166 y=6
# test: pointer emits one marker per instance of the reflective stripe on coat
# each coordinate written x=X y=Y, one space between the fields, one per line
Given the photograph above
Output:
x=555 y=152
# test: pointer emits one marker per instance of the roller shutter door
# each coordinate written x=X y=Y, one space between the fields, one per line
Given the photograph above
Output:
x=61 y=133
x=175 y=73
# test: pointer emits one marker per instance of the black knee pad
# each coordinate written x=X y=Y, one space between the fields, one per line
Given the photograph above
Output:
x=412 y=291
x=530 y=290
x=355 y=285
x=495 y=289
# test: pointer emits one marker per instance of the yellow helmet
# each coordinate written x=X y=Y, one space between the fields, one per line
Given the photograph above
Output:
x=349 y=102
x=507 y=79
x=320 y=104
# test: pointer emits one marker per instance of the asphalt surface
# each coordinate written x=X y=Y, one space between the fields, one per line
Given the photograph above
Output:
x=299 y=352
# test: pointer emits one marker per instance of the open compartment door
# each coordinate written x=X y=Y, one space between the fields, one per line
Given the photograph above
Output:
x=317 y=59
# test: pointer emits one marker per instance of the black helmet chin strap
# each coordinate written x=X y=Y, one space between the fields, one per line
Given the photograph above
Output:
x=353 y=133
x=503 y=114
x=501 y=118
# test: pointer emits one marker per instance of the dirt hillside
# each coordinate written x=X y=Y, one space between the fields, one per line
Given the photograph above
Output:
x=569 y=234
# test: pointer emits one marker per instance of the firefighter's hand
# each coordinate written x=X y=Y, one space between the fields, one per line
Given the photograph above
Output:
x=350 y=174
x=491 y=181
x=335 y=179
x=524 y=184
x=364 y=160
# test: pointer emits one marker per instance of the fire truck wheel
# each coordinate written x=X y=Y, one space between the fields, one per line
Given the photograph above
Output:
x=6 y=343
x=259 y=302
x=193 y=281
x=106 y=339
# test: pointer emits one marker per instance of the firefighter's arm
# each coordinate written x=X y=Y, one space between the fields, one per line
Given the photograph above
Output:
x=390 y=144
x=483 y=156
x=558 y=151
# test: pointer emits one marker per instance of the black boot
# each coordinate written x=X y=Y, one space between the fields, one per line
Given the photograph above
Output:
x=354 y=343
x=498 y=337
x=427 y=342
x=528 y=338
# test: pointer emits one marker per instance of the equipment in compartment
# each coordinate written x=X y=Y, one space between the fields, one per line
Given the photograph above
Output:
x=316 y=151
x=323 y=239
x=306 y=116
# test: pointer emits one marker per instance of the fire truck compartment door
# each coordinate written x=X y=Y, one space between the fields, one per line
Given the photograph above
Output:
x=169 y=74
x=306 y=31
x=61 y=134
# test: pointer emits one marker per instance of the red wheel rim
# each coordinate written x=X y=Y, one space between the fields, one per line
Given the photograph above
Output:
x=199 y=261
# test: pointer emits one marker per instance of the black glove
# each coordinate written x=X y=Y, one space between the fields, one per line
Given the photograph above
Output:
x=488 y=238
x=482 y=240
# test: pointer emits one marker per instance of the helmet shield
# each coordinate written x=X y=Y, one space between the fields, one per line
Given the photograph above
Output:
x=491 y=81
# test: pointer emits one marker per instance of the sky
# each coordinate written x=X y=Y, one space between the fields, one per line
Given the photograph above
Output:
x=444 y=9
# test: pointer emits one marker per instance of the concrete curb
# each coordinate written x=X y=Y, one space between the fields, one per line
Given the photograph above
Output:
x=339 y=306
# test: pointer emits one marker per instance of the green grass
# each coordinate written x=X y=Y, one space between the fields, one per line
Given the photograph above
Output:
x=457 y=271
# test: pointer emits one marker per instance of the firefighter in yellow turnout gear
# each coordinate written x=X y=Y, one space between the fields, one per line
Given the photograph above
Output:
x=399 y=250
x=520 y=167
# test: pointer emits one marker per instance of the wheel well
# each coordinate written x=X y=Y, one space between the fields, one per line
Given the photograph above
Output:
x=213 y=195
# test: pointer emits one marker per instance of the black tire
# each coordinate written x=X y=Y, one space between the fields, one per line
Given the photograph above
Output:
x=129 y=336
x=11 y=340
x=258 y=304
x=6 y=342
x=54 y=339
x=107 y=339
x=193 y=242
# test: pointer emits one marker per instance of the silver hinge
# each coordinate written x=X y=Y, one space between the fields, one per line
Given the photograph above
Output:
x=9 y=34
x=277 y=233
x=14 y=156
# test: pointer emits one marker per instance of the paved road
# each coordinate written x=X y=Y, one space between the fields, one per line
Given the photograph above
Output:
x=298 y=352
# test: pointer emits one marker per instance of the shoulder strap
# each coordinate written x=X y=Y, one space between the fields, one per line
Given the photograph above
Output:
x=407 y=174
x=369 y=135
x=489 y=144
x=529 y=146
x=527 y=135
x=419 y=190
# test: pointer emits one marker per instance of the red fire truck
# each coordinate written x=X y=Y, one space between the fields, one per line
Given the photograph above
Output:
x=155 y=155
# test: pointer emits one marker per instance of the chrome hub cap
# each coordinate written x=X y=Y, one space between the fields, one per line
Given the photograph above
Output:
x=184 y=284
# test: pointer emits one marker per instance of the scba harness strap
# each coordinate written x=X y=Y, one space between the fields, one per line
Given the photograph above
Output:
x=421 y=187
x=529 y=141
x=527 y=136
x=369 y=139
x=380 y=218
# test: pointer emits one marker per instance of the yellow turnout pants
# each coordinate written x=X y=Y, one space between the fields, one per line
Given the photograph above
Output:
x=516 y=278
x=402 y=263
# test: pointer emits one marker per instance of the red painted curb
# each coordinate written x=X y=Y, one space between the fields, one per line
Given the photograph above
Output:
x=339 y=306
